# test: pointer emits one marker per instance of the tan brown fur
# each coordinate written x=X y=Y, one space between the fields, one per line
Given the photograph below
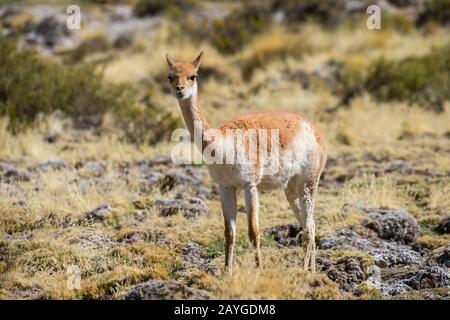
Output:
x=296 y=137
x=288 y=125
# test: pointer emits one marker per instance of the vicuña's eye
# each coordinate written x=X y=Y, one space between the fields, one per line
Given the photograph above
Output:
x=170 y=78
x=192 y=78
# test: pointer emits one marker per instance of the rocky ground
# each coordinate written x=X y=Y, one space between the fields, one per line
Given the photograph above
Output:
x=379 y=255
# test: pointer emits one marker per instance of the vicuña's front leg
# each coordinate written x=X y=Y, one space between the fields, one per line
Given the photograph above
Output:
x=228 y=199
x=252 y=206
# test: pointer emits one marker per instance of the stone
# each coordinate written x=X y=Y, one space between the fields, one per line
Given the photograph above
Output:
x=444 y=226
x=190 y=209
x=164 y=290
x=286 y=234
x=53 y=165
x=384 y=253
x=439 y=257
x=194 y=254
x=90 y=168
x=395 y=256
x=50 y=30
x=99 y=214
x=149 y=236
x=394 y=225
x=444 y=257
x=151 y=178
x=429 y=277
x=206 y=193
x=393 y=289
x=95 y=241
x=175 y=177
x=123 y=40
x=15 y=175
x=400 y=166
x=403 y=3
x=347 y=273
x=346 y=239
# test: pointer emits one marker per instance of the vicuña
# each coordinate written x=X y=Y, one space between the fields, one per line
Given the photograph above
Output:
x=301 y=158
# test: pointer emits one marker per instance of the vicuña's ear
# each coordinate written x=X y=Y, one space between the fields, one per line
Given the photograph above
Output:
x=170 y=62
x=198 y=60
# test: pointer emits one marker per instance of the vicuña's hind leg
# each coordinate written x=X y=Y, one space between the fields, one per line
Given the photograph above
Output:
x=228 y=200
x=301 y=196
x=252 y=206
x=307 y=197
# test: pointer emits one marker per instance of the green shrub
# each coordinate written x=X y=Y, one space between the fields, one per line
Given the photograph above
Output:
x=327 y=13
x=235 y=30
x=173 y=8
x=421 y=80
x=397 y=22
x=435 y=10
x=30 y=85
x=95 y=42
x=147 y=125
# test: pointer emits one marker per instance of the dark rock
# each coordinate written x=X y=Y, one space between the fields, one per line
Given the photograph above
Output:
x=286 y=234
x=195 y=257
x=347 y=273
x=50 y=30
x=393 y=289
x=394 y=256
x=174 y=178
x=51 y=137
x=95 y=241
x=385 y=254
x=444 y=226
x=34 y=292
x=393 y=225
x=439 y=257
x=141 y=215
x=403 y=3
x=444 y=258
x=99 y=214
x=150 y=236
x=123 y=41
x=164 y=290
x=300 y=77
x=346 y=239
x=190 y=209
x=90 y=168
x=53 y=165
x=400 y=166
x=194 y=254
x=152 y=178
x=429 y=277
x=15 y=174
x=90 y=121
x=20 y=204
x=158 y=161
x=206 y=193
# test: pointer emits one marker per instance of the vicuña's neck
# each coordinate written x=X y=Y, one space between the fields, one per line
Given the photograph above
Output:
x=195 y=121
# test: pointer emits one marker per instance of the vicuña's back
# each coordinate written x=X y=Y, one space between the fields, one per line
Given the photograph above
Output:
x=281 y=150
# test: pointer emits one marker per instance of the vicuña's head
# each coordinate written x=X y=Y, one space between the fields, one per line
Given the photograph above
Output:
x=183 y=77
